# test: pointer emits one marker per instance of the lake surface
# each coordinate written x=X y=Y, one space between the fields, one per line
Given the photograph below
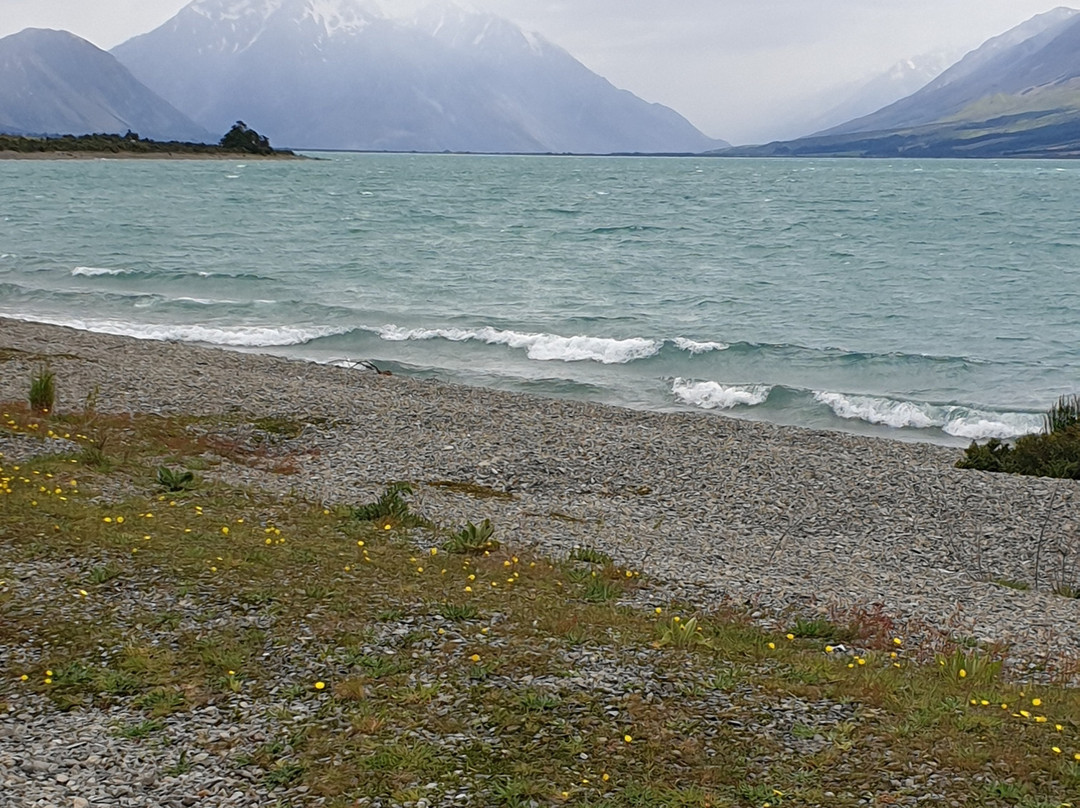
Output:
x=932 y=300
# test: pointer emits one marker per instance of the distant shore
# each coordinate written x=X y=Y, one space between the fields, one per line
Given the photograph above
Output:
x=108 y=155
x=238 y=143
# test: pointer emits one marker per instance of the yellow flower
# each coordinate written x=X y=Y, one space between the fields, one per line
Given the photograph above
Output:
x=1036 y=702
x=225 y=530
x=628 y=738
x=897 y=641
x=963 y=673
x=320 y=685
x=791 y=636
x=658 y=610
x=23 y=678
x=359 y=544
x=386 y=527
x=475 y=657
x=828 y=649
x=772 y=645
x=1056 y=750
x=1025 y=713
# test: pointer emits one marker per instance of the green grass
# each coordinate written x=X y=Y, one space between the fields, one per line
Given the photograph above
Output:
x=471 y=671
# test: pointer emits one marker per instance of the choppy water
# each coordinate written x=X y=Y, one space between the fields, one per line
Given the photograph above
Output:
x=929 y=299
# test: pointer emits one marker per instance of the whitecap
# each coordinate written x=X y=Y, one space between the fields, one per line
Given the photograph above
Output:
x=962 y=422
x=897 y=414
x=540 y=347
x=229 y=336
x=716 y=396
x=94 y=271
x=693 y=347
x=982 y=425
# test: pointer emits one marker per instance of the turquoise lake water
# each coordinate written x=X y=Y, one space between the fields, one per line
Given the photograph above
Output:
x=932 y=300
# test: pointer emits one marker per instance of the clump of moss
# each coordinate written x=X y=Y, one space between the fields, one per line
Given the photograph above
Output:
x=1055 y=452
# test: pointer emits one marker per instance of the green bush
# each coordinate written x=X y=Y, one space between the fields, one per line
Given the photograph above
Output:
x=1052 y=453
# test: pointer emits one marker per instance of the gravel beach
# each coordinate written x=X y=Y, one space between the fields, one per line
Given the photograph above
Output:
x=717 y=511
x=714 y=508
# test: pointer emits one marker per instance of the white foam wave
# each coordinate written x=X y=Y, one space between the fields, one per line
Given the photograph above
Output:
x=691 y=346
x=541 y=347
x=716 y=396
x=898 y=414
x=962 y=422
x=93 y=271
x=229 y=336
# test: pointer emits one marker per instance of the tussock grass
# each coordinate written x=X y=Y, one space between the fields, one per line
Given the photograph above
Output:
x=472 y=671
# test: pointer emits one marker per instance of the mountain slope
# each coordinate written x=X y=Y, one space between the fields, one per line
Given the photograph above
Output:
x=862 y=98
x=1017 y=61
x=342 y=74
x=1016 y=96
x=53 y=82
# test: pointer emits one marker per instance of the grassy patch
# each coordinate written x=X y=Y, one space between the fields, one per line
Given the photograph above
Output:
x=391 y=664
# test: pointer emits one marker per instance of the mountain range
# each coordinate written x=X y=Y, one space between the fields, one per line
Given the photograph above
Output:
x=1017 y=95
x=351 y=75
x=343 y=74
x=52 y=82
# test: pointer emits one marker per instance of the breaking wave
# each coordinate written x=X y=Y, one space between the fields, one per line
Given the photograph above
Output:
x=541 y=347
x=716 y=396
x=952 y=419
x=230 y=336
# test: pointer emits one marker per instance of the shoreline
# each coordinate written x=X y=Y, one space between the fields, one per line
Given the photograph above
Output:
x=719 y=510
x=108 y=155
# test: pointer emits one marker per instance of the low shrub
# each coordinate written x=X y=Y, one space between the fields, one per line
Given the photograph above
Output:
x=1052 y=453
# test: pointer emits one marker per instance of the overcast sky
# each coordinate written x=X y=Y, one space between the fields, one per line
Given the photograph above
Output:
x=738 y=69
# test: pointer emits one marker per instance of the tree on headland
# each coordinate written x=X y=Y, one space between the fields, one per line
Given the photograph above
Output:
x=241 y=138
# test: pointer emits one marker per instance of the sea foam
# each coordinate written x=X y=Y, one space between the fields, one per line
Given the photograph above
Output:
x=94 y=271
x=229 y=336
x=693 y=347
x=541 y=347
x=963 y=422
x=716 y=396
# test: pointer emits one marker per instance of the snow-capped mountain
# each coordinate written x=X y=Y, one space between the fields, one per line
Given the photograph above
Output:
x=54 y=83
x=1038 y=52
x=1017 y=95
x=898 y=81
x=349 y=74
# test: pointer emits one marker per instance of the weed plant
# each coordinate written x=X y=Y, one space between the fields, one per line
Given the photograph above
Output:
x=472 y=539
x=42 y=390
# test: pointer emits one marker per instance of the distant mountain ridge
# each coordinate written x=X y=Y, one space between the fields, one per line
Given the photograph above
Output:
x=53 y=82
x=1013 y=62
x=1017 y=95
x=342 y=74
